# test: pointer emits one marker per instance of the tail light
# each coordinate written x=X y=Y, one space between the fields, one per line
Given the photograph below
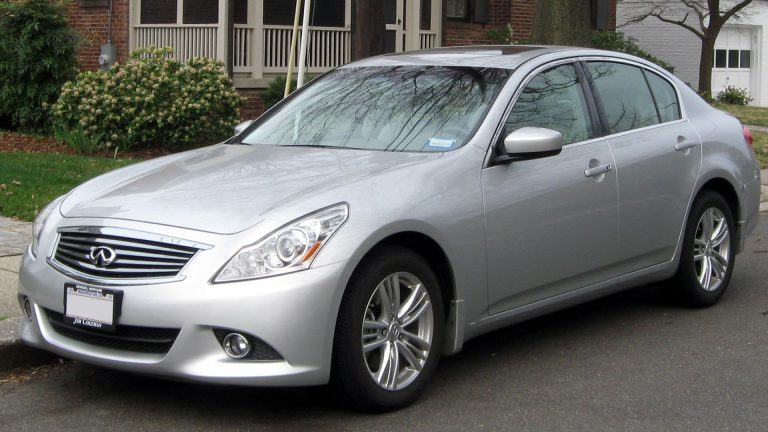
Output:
x=747 y=135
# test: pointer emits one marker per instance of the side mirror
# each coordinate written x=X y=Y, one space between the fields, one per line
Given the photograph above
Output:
x=242 y=126
x=531 y=142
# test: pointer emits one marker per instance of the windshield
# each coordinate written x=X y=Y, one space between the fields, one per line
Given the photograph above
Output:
x=397 y=108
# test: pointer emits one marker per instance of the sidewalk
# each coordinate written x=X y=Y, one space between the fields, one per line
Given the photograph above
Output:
x=15 y=236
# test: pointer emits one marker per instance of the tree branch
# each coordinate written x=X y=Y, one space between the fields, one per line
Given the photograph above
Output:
x=734 y=10
x=680 y=23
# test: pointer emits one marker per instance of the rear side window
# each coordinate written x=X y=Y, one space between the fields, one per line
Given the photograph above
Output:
x=665 y=96
x=553 y=99
x=627 y=101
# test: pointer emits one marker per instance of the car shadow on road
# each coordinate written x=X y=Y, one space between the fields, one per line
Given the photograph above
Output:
x=507 y=353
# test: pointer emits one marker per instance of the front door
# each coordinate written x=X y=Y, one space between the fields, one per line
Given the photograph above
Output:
x=551 y=223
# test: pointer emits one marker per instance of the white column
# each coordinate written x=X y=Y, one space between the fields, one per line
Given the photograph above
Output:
x=134 y=18
x=221 y=31
x=437 y=21
x=257 y=41
x=413 y=22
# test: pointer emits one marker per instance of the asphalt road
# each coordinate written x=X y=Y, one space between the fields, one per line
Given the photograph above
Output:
x=627 y=362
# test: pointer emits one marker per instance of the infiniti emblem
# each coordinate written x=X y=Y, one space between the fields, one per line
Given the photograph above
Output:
x=102 y=256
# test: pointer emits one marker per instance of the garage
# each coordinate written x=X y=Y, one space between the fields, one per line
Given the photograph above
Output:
x=735 y=61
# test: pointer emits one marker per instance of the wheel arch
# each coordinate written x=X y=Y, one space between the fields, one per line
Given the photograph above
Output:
x=725 y=188
x=435 y=256
x=428 y=248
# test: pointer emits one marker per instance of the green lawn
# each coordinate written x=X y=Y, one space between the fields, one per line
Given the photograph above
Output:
x=748 y=115
x=28 y=181
x=761 y=148
x=752 y=116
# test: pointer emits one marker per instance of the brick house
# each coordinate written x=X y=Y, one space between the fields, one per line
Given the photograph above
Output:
x=262 y=31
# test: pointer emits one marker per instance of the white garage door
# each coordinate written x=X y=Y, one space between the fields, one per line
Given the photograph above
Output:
x=733 y=60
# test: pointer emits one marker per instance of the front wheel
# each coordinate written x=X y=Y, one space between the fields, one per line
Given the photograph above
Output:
x=389 y=331
x=708 y=253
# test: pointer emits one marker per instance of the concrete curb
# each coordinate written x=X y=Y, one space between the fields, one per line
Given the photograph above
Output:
x=14 y=354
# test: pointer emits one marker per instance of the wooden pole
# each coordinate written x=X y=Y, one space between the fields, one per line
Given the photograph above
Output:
x=292 y=57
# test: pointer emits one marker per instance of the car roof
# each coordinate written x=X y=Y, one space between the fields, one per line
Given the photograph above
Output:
x=494 y=56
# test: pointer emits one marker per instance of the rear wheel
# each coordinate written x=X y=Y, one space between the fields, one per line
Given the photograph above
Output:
x=389 y=332
x=708 y=253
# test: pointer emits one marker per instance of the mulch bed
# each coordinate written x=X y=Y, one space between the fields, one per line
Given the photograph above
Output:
x=17 y=142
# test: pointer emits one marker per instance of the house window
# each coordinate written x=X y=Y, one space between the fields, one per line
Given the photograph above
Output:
x=745 y=54
x=323 y=13
x=426 y=15
x=158 y=11
x=457 y=9
x=732 y=59
x=201 y=11
x=193 y=11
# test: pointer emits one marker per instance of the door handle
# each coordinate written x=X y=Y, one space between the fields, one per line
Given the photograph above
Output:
x=598 y=170
x=685 y=145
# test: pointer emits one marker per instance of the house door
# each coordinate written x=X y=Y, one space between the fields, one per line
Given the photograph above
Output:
x=395 y=38
x=412 y=25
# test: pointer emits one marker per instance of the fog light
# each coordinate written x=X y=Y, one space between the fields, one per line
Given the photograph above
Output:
x=236 y=345
x=26 y=306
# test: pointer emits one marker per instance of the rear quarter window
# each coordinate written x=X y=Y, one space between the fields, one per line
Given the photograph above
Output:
x=665 y=96
x=626 y=98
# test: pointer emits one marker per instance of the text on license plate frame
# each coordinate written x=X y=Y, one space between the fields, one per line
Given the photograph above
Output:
x=92 y=307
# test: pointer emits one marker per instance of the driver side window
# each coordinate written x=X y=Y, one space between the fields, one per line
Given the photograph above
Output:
x=553 y=99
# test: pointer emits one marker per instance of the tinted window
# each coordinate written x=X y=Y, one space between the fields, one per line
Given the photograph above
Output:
x=627 y=101
x=397 y=108
x=553 y=99
x=665 y=97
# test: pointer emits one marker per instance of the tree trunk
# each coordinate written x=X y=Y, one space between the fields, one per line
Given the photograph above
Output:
x=368 y=28
x=706 y=64
x=562 y=22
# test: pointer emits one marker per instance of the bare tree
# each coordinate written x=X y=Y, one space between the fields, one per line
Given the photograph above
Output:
x=704 y=18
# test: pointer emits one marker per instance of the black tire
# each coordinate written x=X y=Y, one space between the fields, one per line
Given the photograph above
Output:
x=351 y=373
x=685 y=287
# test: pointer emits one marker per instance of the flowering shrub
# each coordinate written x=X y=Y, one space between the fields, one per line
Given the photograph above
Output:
x=734 y=95
x=151 y=99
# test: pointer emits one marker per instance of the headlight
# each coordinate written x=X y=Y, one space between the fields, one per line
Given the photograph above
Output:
x=39 y=224
x=291 y=248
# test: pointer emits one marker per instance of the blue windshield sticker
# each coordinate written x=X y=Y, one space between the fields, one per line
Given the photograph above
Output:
x=441 y=143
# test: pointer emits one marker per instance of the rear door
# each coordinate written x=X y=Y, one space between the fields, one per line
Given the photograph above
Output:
x=657 y=155
x=551 y=227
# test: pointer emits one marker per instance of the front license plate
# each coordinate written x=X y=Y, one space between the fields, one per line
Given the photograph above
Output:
x=91 y=307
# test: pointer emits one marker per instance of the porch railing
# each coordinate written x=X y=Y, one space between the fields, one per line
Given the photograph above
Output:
x=188 y=41
x=242 y=43
x=427 y=39
x=328 y=48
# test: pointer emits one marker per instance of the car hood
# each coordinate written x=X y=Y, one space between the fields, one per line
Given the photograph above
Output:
x=225 y=188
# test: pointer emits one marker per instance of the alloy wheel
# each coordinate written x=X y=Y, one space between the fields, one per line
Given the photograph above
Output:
x=398 y=329
x=711 y=249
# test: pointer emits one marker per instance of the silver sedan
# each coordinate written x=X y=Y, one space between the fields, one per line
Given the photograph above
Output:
x=388 y=212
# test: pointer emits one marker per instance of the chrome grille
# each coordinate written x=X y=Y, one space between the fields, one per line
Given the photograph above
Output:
x=139 y=255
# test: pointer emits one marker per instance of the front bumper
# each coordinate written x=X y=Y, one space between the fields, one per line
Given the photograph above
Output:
x=293 y=313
